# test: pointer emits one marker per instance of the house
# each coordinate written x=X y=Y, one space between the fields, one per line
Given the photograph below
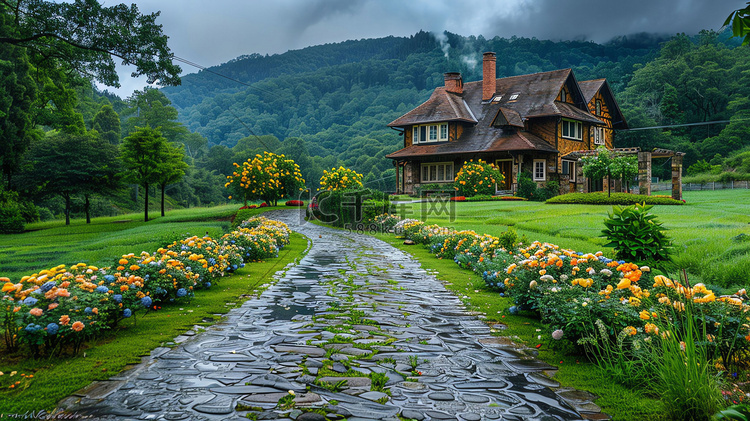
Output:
x=531 y=123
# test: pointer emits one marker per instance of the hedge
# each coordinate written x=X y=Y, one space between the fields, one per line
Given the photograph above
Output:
x=600 y=198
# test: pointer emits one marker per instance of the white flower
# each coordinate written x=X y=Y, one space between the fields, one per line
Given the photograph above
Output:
x=563 y=278
x=546 y=278
x=557 y=335
x=606 y=272
x=291 y=392
x=645 y=269
x=532 y=284
x=591 y=271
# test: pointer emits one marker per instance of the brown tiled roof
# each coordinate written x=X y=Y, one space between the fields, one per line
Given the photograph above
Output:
x=520 y=98
x=494 y=140
x=508 y=117
x=564 y=109
x=590 y=88
x=442 y=106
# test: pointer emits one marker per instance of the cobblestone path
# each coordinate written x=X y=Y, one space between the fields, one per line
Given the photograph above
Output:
x=358 y=329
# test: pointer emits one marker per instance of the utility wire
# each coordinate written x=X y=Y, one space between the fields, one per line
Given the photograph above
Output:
x=705 y=123
x=191 y=63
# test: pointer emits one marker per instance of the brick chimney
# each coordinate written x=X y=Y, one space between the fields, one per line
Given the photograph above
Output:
x=454 y=83
x=489 y=76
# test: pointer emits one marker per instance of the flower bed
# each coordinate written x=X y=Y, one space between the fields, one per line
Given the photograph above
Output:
x=570 y=290
x=297 y=203
x=62 y=307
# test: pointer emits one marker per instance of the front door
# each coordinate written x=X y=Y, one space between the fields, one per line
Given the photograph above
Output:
x=506 y=169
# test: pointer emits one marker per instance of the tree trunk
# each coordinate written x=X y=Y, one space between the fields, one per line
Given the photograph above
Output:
x=163 y=186
x=145 y=213
x=87 y=208
x=67 y=208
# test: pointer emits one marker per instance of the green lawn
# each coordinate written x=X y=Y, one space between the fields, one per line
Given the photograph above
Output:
x=704 y=230
x=106 y=238
x=48 y=244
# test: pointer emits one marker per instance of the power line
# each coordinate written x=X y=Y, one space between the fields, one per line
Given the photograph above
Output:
x=206 y=69
x=705 y=123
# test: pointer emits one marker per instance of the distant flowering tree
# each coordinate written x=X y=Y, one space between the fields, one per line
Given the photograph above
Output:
x=340 y=179
x=268 y=177
x=477 y=178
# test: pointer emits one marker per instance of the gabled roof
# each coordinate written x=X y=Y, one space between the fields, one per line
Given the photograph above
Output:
x=591 y=87
x=507 y=117
x=441 y=106
x=477 y=141
x=529 y=96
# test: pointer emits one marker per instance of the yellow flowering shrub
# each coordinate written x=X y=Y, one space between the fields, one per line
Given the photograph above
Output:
x=268 y=177
x=340 y=179
x=477 y=178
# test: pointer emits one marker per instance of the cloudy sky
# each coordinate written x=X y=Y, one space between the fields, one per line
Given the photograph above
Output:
x=213 y=32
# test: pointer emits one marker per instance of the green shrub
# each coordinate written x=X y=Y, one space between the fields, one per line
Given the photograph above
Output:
x=422 y=190
x=373 y=208
x=11 y=220
x=600 y=198
x=11 y=213
x=636 y=235
x=729 y=176
x=350 y=207
x=526 y=186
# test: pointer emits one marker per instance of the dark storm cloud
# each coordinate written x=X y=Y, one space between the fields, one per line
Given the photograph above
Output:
x=602 y=20
x=214 y=32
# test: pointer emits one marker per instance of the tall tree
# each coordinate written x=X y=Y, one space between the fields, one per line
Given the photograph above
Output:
x=171 y=169
x=107 y=123
x=105 y=176
x=69 y=164
x=142 y=152
x=151 y=107
x=18 y=91
x=86 y=37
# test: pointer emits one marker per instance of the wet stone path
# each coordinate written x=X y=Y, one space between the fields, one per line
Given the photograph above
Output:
x=356 y=329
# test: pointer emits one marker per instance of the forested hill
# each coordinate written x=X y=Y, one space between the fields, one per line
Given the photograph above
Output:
x=329 y=104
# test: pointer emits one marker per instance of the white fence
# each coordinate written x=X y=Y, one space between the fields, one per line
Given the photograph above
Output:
x=667 y=185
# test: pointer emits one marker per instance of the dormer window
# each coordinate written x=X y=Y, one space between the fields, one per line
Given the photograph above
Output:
x=564 y=95
x=430 y=133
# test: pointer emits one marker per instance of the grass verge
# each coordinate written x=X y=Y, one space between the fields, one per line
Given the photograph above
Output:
x=711 y=232
x=573 y=371
x=56 y=378
x=48 y=244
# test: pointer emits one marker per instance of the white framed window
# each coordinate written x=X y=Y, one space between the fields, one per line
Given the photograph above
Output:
x=430 y=133
x=569 y=169
x=572 y=129
x=437 y=172
x=564 y=95
x=540 y=169
x=598 y=134
x=598 y=107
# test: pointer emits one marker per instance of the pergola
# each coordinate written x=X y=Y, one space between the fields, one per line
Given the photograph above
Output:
x=644 y=166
